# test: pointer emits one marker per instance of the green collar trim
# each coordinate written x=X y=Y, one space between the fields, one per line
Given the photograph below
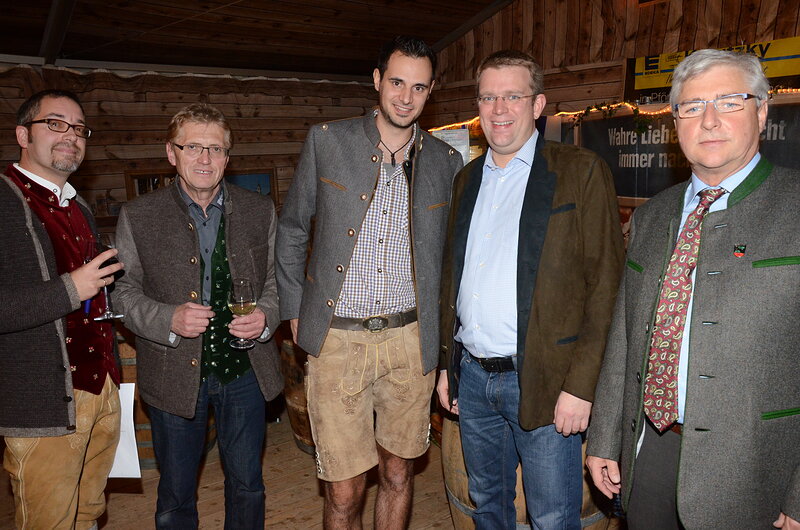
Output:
x=753 y=180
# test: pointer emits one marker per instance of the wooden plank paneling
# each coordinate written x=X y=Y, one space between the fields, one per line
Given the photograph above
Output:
x=767 y=16
x=658 y=29
x=566 y=33
x=787 y=21
x=674 y=23
x=269 y=118
x=642 y=35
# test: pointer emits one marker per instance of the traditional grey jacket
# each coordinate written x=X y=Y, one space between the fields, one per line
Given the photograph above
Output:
x=333 y=184
x=740 y=449
x=35 y=380
x=157 y=243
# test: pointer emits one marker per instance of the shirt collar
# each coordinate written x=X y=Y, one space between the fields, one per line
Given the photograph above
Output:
x=63 y=195
x=525 y=153
x=729 y=184
x=217 y=201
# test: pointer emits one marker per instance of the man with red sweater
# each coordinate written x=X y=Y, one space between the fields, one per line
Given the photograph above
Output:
x=59 y=376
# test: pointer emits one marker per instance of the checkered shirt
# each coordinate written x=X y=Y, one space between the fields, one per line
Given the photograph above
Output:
x=379 y=279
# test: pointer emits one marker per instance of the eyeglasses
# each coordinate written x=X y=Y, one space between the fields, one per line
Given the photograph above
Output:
x=60 y=126
x=723 y=104
x=511 y=100
x=216 y=152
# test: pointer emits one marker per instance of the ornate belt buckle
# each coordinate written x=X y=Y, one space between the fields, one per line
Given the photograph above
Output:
x=375 y=324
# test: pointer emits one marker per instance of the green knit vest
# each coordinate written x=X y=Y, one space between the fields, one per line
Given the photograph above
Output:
x=219 y=358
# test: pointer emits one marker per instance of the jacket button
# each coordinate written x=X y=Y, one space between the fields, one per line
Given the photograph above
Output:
x=67 y=398
x=351 y=232
x=339 y=268
x=363 y=196
x=193 y=295
x=374 y=158
x=647 y=328
x=329 y=303
x=192 y=260
x=193 y=362
x=638 y=377
x=633 y=425
x=62 y=367
x=451 y=152
x=191 y=227
x=324 y=126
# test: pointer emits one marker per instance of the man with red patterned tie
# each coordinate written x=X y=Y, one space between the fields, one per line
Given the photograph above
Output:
x=59 y=374
x=696 y=420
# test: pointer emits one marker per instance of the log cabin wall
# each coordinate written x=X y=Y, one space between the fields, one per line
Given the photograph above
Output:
x=269 y=118
x=582 y=45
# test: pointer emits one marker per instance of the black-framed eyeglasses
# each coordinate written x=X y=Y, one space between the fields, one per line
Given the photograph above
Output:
x=512 y=99
x=61 y=126
x=216 y=152
x=723 y=104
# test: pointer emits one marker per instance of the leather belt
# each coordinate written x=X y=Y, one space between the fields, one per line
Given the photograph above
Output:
x=376 y=323
x=677 y=428
x=496 y=364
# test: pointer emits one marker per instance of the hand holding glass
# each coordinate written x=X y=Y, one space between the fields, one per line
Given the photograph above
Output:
x=109 y=313
x=241 y=302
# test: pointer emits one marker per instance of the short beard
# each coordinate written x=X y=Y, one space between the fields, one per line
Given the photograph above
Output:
x=65 y=166
x=388 y=118
x=68 y=164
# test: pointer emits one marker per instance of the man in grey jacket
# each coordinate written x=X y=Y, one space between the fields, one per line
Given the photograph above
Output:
x=187 y=244
x=365 y=308
x=59 y=411
x=696 y=420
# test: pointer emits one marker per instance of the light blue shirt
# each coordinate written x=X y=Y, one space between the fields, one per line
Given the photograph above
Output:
x=690 y=202
x=487 y=296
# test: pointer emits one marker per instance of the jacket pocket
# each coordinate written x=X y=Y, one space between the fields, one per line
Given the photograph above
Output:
x=434 y=206
x=775 y=414
x=633 y=265
x=776 y=262
x=333 y=183
x=567 y=340
x=563 y=208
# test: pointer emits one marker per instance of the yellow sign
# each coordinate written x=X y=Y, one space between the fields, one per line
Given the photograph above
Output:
x=779 y=58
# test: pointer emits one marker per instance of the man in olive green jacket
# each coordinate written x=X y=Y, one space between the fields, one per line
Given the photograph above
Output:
x=530 y=274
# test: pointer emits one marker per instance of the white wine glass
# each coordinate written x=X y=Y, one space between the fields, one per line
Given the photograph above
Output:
x=241 y=301
x=109 y=313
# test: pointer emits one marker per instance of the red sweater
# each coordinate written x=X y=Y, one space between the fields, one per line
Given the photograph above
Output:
x=89 y=344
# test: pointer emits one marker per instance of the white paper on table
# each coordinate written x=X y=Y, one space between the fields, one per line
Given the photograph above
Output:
x=126 y=461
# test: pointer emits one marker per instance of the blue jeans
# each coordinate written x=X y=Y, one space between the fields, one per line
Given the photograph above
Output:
x=240 y=415
x=494 y=444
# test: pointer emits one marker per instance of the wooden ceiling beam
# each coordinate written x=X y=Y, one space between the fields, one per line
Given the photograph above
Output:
x=486 y=13
x=56 y=29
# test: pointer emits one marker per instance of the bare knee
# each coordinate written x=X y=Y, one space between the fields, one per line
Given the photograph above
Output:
x=345 y=496
x=394 y=472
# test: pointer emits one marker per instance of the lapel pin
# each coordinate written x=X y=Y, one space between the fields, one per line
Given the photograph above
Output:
x=738 y=250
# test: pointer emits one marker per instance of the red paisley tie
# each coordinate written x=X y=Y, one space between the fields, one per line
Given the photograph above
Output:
x=661 y=383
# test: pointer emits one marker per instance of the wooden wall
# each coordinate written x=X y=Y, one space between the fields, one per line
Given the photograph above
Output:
x=130 y=115
x=582 y=45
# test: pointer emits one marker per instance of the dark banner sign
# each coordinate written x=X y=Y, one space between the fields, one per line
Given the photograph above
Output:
x=647 y=161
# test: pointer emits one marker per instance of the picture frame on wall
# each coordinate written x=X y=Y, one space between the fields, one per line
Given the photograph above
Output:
x=142 y=182
x=259 y=180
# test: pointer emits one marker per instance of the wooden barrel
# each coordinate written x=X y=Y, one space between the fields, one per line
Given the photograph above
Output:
x=294 y=391
x=461 y=507
x=141 y=418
